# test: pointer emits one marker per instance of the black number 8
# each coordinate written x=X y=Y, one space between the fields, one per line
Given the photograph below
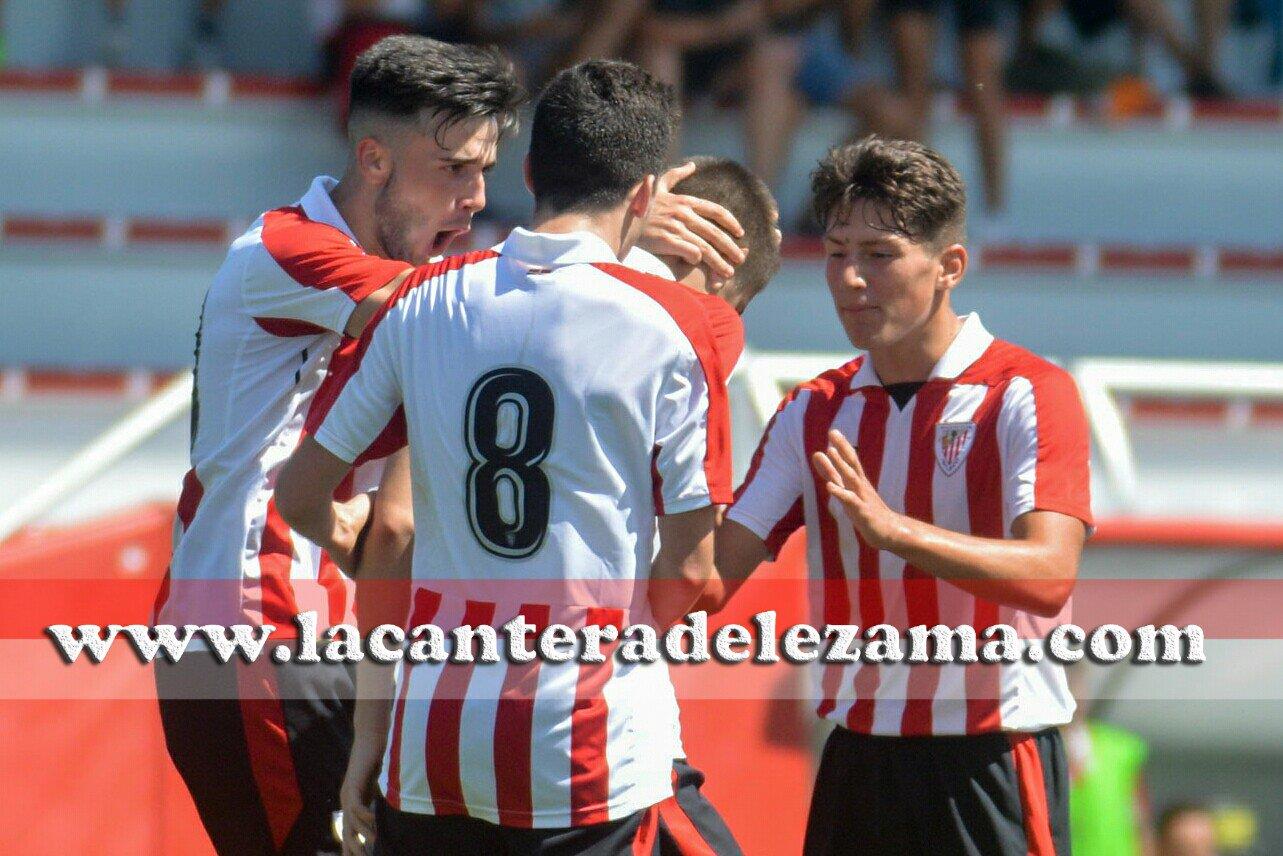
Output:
x=508 y=430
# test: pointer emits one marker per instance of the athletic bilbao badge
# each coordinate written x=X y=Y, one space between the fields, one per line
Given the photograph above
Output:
x=953 y=442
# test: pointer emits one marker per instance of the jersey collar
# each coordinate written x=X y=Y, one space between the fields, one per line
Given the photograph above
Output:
x=547 y=250
x=647 y=262
x=318 y=205
x=967 y=347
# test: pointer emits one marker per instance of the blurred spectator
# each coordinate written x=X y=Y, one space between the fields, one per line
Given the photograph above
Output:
x=913 y=25
x=697 y=45
x=348 y=27
x=1109 y=812
x=1148 y=19
x=1187 y=829
x=806 y=55
x=543 y=36
x=203 y=47
x=1273 y=10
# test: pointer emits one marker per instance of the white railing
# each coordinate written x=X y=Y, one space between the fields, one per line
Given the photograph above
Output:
x=767 y=376
x=170 y=402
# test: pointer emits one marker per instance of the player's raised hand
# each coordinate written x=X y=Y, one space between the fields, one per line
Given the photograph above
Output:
x=844 y=477
x=356 y=797
x=693 y=229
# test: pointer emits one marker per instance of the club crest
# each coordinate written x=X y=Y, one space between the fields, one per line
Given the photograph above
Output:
x=953 y=442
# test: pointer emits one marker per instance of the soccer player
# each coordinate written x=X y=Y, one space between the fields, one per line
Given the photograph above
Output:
x=942 y=478
x=749 y=200
x=562 y=412
x=264 y=749
x=387 y=554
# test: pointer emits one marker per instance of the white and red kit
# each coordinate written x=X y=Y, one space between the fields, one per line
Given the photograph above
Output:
x=271 y=325
x=556 y=403
x=994 y=433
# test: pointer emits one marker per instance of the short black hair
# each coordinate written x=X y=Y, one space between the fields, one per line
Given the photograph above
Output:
x=414 y=79
x=747 y=197
x=599 y=128
x=918 y=192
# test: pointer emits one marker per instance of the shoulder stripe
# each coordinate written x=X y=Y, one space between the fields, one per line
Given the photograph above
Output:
x=347 y=356
x=317 y=255
x=680 y=304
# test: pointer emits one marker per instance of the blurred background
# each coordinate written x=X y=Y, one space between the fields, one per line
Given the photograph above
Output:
x=1125 y=166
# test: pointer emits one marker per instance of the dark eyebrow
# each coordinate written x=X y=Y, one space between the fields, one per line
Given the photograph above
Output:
x=465 y=160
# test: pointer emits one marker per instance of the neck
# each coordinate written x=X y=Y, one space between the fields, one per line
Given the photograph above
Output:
x=614 y=227
x=689 y=275
x=355 y=205
x=912 y=358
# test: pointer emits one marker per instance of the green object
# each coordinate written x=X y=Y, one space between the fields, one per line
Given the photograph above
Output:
x=1102 y=801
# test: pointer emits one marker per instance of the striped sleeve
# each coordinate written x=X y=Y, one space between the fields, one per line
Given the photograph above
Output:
x=691 y=459
x=769 y=502
x=309 y=273
x=682 y=480
x=1044 y=442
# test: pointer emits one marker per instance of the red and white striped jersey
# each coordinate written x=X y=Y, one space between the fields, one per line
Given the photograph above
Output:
x=994 y=433
x=556 y=402
x=271 y=325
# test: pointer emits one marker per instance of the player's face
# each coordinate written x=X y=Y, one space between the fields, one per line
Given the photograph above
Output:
x=437 y=182
x=884 y=286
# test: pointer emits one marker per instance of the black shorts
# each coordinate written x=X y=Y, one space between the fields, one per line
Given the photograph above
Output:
x=971 y=16
x=685 y=824
x=262 y=749
x=990 y=794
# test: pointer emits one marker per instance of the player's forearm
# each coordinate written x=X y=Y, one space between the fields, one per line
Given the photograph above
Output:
x=383 y=584
x=375 y=689
x=738 y=552
x=332 y=526
x=1025 y=574
x=673 y=598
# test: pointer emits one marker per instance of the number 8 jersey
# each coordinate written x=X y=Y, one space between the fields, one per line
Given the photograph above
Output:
x=555 y=404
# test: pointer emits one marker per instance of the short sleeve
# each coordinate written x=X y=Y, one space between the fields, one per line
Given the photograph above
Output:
x=310 y=272
x=769 y=502
x=370 y=397
x=1044 y=441
x=691 y=460
x=728 y=331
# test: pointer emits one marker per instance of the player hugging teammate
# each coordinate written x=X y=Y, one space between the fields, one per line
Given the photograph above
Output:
x=562 y=404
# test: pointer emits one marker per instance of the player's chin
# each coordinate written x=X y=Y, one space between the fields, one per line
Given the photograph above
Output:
x=862 y=335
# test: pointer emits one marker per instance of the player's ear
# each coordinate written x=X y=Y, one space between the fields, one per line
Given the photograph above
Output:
x=953 y=266
x=373 y=160
x=525 y=174
x=640 y=199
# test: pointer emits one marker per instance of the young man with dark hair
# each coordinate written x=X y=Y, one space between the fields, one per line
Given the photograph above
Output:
x=942 y=480
x=732 y=186
x=263 y=747
x=562 y=412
